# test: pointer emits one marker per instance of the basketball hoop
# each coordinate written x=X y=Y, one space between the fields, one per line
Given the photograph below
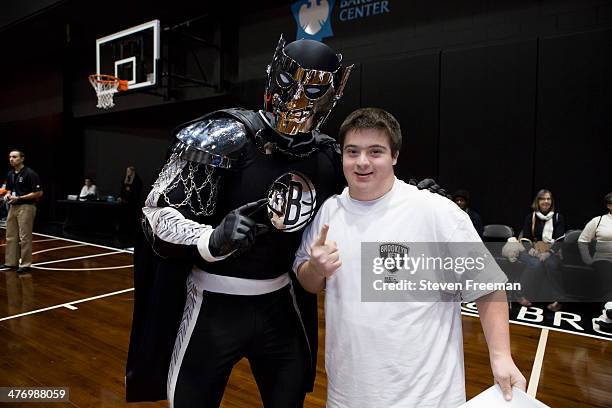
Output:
x=106 y=86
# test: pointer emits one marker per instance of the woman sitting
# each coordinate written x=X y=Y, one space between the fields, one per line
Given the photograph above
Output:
x=544 y=227
x=598 y=232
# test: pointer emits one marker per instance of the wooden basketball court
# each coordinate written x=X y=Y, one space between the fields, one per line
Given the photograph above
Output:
x=67 y=324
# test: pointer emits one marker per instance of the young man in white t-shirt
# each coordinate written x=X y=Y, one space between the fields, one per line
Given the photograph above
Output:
x=392 y=354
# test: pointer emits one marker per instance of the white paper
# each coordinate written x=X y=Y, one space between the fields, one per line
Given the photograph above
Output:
x=493 y=397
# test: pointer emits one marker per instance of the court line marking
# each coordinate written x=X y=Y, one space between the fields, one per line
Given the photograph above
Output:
x=118 y=250
x=66 y=305
x=547 y=327
x=46 y=239
x=536 y=370
x=76 y=258
x=83 y=242
x=55 y=249
x=70 y=307
x=114 y=251
x=60 y=260
x=102 y=268
x=80 y=242
x=39 y=240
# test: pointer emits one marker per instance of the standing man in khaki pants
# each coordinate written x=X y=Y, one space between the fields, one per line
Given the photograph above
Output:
x=23 y=191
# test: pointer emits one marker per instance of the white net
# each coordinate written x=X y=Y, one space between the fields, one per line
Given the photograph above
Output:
x=105 y=86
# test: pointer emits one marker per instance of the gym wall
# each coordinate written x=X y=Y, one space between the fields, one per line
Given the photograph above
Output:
x=501 y=98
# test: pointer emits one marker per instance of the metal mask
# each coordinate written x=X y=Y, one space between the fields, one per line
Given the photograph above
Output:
x=305 y=81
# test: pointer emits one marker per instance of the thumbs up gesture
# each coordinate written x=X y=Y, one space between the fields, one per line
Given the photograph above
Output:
x=324 y=255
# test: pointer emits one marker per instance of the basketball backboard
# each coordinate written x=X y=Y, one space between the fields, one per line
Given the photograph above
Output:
x=131 y=54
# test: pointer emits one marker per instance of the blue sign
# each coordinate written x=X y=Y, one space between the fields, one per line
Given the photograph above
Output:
x=313 y=18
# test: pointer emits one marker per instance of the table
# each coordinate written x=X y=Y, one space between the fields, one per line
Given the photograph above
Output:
x=93 y=216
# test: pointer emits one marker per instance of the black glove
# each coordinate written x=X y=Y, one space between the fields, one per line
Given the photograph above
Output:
x=237 y=231
x=431 y=185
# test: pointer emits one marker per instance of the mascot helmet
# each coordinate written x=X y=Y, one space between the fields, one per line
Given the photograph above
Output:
x=305 y=81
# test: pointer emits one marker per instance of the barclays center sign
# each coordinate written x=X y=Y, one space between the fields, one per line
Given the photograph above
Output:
x=313 y=17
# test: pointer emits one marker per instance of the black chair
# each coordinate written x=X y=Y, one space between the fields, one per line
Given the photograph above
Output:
x=495 y=237
x=577 y=280
x=570 y=250
x=497 y=233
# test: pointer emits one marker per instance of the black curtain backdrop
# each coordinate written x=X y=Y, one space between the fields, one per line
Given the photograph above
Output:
x=500 y=98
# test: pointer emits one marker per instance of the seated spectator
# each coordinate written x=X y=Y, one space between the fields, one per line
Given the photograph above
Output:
x=543 y=224
x=89 y=191
x=544 y=228
x=598 y=231
x=462 y=199
x=595 y=241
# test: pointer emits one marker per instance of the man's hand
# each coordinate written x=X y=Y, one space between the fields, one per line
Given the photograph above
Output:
x=507 y=375
x=324 y=255
x=493 y=311
x=12 y=199
x=236 y=230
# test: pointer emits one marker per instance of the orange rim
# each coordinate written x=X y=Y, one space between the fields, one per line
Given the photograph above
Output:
x=109 y=79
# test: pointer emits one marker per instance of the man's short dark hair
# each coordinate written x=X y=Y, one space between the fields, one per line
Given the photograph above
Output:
x=21 y=154
x=462 y=193
x=373 y=118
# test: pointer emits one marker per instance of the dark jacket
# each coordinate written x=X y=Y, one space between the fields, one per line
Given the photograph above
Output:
x=537 y=227
x=476 y=221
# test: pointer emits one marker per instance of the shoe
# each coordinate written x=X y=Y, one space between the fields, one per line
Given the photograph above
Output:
x=605 y=326
x=7 y=267
x=23 y=269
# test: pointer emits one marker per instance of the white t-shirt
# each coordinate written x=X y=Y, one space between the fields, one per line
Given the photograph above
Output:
x=600 y=229
x=390 y=354
x=85 y=191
